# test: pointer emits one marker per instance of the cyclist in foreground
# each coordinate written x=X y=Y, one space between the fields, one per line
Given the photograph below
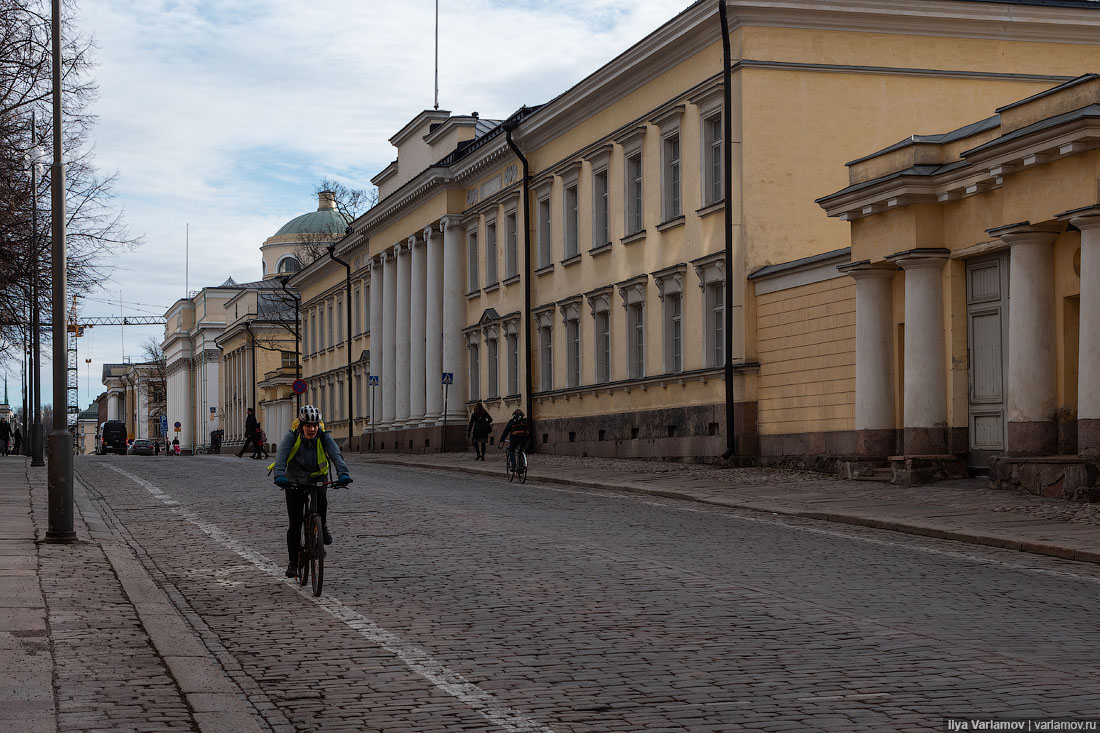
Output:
x=516 y=432
x=303 y=458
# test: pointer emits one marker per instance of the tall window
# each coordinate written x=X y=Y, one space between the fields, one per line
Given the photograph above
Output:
x=338 y=408
x=511 y=248
x=513 y=363
x=357 y=325
x=493 y=366
x=331 y=333
x=716 y=324
x=570 y=221
x=573 y=352
x=634 y=194
x=712 y=159
x=674 y=344
x=546 y=356
x=635 y=318
x=320 y=330
x=475 y=373
x=672 y=206
x=366 y=309
x=603 y=346
x=544 y=232
x=304 y=335
x=491 y=253
x=471 y=262
x=339 y=321
x=600 y=235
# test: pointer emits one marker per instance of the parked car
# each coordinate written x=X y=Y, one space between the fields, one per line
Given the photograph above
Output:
x=141 y=447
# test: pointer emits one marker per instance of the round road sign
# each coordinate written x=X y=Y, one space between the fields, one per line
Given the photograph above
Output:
x=299 y=386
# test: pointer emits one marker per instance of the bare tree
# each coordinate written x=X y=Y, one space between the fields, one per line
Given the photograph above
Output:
x=94 y=223
x=350 y=203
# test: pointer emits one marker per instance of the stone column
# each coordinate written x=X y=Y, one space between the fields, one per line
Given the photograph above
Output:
x=454 y=317
x=925 y=418
x=416 y=330
x=377 y=344
x=404 y=278
x=112 y=404
x=1032 y=394
x=389 y=353
x=874 y=348
x=433 y=326
x=1088 y=353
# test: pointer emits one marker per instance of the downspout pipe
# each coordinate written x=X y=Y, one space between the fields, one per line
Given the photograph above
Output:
x=509 y=126
x=297 y=339
x=347 y=311
x=727 y=189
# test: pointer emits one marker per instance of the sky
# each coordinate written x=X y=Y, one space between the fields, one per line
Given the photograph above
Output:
x=220 y=117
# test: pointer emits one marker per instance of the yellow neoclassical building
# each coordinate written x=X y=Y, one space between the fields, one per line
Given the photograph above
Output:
x=569 y=260
x=976 y=268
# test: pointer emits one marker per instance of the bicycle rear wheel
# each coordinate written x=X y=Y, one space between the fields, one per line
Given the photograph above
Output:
x=316 y=553
x=521 y=469
x=304 y=551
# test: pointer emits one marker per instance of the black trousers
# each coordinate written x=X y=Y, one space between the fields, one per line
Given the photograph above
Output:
x=295 y=503
x=249 y=441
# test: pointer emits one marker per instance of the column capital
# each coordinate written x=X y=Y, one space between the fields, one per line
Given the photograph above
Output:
x=447 y=222
x=400 y=248
x=1025 y=232
x=428 y=233
x=1087 y=217
x=920 y=258
x=383 y=256
x=416 y=241
x=866 y=270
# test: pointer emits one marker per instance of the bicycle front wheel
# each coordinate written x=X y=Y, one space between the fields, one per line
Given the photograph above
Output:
x=316 y=553
x=304 y=552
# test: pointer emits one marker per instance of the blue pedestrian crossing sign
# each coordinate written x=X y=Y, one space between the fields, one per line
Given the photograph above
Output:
x=448 y=378
x=373 y=380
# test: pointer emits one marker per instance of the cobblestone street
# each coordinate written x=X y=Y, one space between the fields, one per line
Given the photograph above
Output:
x=459 y=602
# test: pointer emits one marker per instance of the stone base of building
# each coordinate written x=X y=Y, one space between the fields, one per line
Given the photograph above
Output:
x=1061 y=477
x=429 y=439
x=911 y=470
x=691 y=434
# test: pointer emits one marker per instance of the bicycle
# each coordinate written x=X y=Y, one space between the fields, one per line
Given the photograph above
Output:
x=516 y=467
x=203 y=450
x=311 y=546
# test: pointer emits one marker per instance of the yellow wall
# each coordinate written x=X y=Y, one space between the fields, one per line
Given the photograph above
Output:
x=807 y=358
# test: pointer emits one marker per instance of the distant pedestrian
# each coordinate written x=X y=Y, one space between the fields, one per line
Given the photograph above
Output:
x=5 y=436
x=215 y=441
x=250 y=427
x=156 y=447
x=176 y=446
x=261 y=443
x=479 y=430
x=17 y=437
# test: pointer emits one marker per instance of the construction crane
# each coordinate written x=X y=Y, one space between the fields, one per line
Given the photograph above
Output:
x=75 y=329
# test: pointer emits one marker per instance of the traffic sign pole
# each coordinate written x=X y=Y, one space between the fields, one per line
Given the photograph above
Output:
x=448 y=378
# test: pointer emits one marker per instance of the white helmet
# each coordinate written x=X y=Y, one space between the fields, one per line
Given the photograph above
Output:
x=309 y=414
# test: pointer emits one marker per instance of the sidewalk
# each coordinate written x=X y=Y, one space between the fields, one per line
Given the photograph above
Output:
x=962 y=510
x=89 y=640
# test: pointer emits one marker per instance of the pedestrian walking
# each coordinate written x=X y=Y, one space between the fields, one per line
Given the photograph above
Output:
x=156 y=447
x=176 y=446
x=250 y=427
x=17 y=438
x=479 y=430
x=261 y=443
x=5 y=436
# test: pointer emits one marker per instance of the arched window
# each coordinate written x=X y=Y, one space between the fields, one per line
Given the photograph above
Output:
x=289 y=264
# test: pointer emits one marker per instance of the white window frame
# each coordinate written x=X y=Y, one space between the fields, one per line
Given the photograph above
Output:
x=472 y=283
x=672 y=159
x=511 y=251
x=600 y=304
x=670 y=289
x=571 y=318
x=601 y=197
x=544 y=322
x=633 y=181
x=633 y=293
x=511 y=338
x=543 y=219
x=492 y=349
x=474 y=362
x=491 y=251
x=711 y=156
x=711 y=271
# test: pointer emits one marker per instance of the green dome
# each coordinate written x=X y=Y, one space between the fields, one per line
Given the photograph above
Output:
x=326 y=220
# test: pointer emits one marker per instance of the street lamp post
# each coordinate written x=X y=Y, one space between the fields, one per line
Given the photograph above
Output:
x=34 y=438
x=297 y=341
x=351 y=392
x=60 y=471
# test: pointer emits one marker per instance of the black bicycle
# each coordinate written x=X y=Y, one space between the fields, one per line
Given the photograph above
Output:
x=517 y=468
x=311 y=546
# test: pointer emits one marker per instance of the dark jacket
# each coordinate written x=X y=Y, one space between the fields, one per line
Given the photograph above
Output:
x=250 y=426
x=480 y=427
x=5 y=430
x=521 y=426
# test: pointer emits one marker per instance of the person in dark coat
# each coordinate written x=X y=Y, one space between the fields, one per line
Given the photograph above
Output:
x=17 y=437
x=479 y=430
x=250 y=437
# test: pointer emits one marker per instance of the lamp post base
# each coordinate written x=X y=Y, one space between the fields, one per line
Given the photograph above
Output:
x=60 y=488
